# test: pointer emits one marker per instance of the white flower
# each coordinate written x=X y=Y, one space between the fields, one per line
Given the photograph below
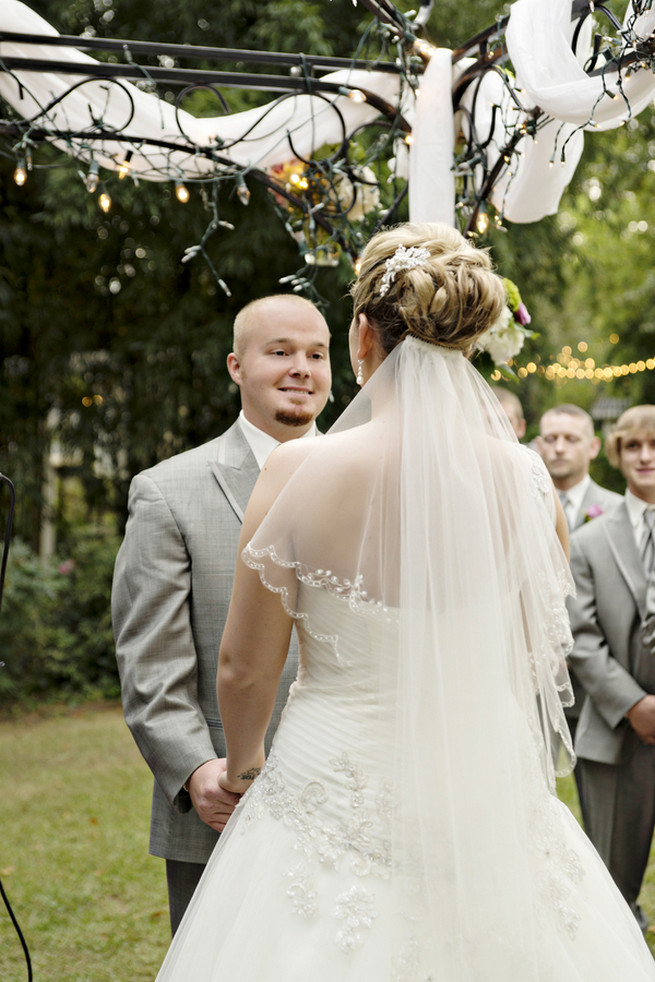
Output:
x=358 y=199
x=504 y=339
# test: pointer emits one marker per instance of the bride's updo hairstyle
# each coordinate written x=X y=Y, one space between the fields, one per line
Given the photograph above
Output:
x=427 y=280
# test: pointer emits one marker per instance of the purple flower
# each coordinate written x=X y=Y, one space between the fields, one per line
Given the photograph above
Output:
x=593 y=511
x=521 y=314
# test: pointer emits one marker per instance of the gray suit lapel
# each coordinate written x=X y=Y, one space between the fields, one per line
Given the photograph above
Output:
x=235 y=469
x=620 y=538
x=594 y=495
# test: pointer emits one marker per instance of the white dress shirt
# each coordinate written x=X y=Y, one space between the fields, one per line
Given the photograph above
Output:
x=636 y=508
x=575 y=497
x=262 y=444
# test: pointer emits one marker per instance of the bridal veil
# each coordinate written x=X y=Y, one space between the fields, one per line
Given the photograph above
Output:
x=420 y=508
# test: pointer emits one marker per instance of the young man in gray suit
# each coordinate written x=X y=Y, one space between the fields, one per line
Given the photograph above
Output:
x=615 y=739
x=568 y=444
x=173 y=579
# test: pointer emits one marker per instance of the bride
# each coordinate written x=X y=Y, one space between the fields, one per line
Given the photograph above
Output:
x=405 y=826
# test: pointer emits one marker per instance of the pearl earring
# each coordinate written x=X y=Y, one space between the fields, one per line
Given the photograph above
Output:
x=360 y=374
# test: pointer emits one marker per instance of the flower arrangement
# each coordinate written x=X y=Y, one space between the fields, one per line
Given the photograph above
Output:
x=349 y=193
x=506 y=336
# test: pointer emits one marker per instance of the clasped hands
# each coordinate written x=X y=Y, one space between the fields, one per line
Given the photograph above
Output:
x=213 y=795
x=213 y=803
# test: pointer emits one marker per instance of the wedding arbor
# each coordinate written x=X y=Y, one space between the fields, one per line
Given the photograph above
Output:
x=491 y=131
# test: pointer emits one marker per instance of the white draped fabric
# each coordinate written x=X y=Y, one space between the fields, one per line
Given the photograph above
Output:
x=309 y=120
x=538 y=40
x=529 y=186
x=431 y=178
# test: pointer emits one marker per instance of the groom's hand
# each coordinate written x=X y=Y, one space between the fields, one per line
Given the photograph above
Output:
x=213 y=803
x=642 y=718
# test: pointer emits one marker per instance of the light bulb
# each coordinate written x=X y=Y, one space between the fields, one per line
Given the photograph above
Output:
x=105 y=202
x=182 y=193
x=482 y=222
x=357 y=95
x=243 y=192
x=124 y=168
x=20 y=174
x=92 y=178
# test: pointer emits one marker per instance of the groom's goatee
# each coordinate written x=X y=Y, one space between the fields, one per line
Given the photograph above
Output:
x=294 y=419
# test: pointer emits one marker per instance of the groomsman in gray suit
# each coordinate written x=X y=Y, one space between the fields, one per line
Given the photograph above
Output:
x=612 y=559
x=173 y=579
x=568 y=445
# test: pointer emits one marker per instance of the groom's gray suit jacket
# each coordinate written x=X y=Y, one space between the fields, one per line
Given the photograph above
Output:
x=171 y=592
x=606 y=616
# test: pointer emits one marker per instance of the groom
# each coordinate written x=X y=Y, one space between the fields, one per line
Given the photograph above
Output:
x=173 y=579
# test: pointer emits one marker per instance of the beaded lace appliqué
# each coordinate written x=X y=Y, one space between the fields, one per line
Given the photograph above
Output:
x=359 y=840
x=348 y=591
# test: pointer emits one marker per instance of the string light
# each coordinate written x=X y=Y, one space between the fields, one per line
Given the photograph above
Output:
x=566 y=367
x=243 y=191
x=482 y=221
x=571 y=369
x=182 y=192
x=92 y=178
x=20 y=174
x=323 y=176
x=124 y=168
x=104 y=201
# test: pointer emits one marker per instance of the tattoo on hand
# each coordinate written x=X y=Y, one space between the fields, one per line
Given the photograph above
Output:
x=250 y=775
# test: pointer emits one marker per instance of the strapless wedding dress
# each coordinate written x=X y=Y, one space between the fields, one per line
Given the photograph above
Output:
x=301 y=887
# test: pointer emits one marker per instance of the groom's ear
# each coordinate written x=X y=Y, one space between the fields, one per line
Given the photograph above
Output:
x=234 y=367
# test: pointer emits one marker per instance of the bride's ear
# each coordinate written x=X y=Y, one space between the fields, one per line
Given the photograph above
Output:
x=365 y=336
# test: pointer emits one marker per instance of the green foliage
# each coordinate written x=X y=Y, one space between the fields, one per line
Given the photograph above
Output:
x=55 y=628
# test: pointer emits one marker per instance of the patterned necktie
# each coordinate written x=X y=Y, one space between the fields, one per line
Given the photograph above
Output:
x=648 y=556
x=566 y=501
x=648 y=540
x=648 y=627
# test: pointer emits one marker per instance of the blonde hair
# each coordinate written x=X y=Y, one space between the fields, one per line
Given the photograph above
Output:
x=450 y=299
x=256 y=310
x=637 y=418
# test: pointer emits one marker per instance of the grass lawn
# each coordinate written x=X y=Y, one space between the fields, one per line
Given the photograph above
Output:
x=74 y=860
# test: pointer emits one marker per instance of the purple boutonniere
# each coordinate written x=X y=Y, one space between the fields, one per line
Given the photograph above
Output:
x=593 y=511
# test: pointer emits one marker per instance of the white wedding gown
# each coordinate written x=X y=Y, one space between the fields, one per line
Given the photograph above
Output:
x=405 y=827
x=301 y=886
